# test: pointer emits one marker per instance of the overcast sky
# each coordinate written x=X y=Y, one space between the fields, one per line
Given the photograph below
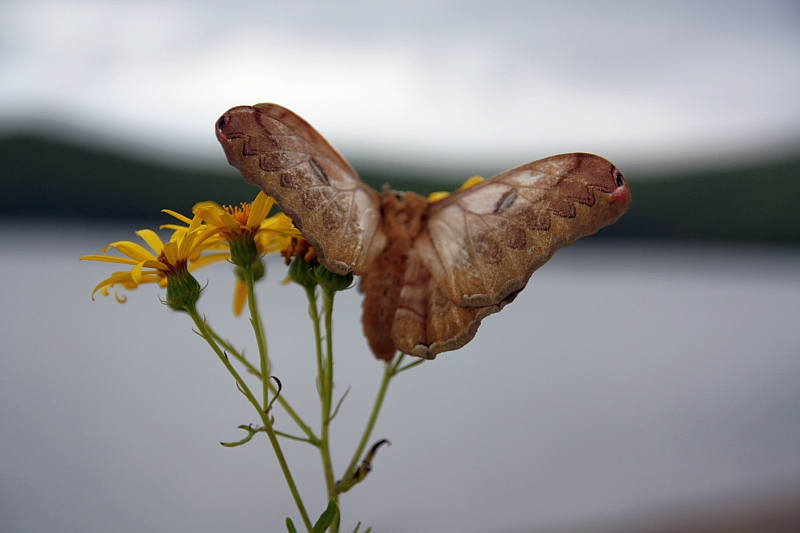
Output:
x=457 y=83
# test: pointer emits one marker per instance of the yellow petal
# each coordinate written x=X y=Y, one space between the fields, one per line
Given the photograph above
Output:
x=152 y=277
x=441 y=195
x=271 y=248
x=208 y=233
x=152 y=239
x=474 y=180
x=132 y=250
x=271 y=243
x=210 y=214
x=136 y=273
x=212 y=241
x=239 y=297
x=259 y=210
x=196 y=223
x=208 y=259
x=438 y=195
x=229 y=221
x=214 y=206
x=116 y=277
x=120 y=299
x=158 y=265
x=109 y=259
x=192 y=242
x=171 y=252
x=174 y=227
x=186 y=245
x=177 y=215
x=282 y=224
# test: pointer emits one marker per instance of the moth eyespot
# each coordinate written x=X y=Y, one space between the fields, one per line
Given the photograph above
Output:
x=618 y=176
x=504 y=202
x=221 y=123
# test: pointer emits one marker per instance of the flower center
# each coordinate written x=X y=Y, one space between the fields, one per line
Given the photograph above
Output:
x=298 y=248
x=180 y=268
x=240 y=213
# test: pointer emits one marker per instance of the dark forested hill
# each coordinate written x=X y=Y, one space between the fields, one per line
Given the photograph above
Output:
x=49 y=179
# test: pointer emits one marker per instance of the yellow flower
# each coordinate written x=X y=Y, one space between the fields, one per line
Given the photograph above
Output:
x=237 y=223
x=166 y=260
x=301 y=258
x=244 y=234
x=441 y=195
x=249 y=219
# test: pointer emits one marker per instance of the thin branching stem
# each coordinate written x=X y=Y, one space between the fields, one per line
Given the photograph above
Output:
x=293 y=437
x=239 y=356
x=200 y=323
x=389 y=372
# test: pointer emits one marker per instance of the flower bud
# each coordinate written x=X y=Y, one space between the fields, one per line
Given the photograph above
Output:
x=244 y=251
x=302 y=272
x=332 y=282
x=183 y=291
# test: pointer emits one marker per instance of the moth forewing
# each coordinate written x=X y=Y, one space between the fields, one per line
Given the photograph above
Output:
x=313 y=184
x=296 y=126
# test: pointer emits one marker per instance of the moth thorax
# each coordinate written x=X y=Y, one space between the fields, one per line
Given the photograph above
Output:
x=403 y=211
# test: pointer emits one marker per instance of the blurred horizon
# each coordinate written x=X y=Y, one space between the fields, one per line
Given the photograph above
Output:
x=45 y=178
x=437 y=169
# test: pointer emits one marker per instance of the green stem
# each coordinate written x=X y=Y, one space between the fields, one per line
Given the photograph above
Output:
x=204 y=331
x=327 y=398
x=261 y=338
x=232 y=350
x=389 y=372
x=311 y=294
x=200 y=322
x=293 y=437
x=305 y=428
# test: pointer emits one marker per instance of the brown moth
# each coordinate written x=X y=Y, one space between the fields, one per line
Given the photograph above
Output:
x=430 y=271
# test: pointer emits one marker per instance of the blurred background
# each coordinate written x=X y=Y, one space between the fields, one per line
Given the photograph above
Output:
x=647 y=379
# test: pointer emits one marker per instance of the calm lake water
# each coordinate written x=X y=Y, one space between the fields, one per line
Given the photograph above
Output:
x=626 y=377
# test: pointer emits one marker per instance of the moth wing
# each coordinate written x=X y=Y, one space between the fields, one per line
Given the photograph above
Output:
x=426 y=322
x=280 y=152
x=483 y=243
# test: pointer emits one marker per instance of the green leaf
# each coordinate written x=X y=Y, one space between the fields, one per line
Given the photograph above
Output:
x=250 y=432
x=326 y=518
x=290 y=525
x=338 y=405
